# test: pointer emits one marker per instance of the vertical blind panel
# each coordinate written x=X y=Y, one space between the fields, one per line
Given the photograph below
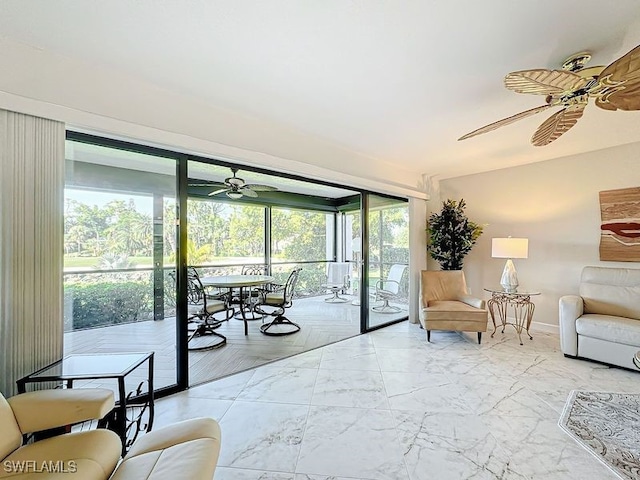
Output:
x=31 y=236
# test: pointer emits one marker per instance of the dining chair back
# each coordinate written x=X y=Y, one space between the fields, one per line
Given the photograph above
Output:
x=251 y=295
x=254 y=269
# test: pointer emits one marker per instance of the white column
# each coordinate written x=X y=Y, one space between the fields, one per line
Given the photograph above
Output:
x=31 y=248
x=417 y=252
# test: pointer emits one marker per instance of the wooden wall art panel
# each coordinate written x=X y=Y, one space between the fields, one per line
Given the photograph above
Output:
x=620 y=227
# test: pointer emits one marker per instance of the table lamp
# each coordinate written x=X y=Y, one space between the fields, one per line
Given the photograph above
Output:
x=509 y=248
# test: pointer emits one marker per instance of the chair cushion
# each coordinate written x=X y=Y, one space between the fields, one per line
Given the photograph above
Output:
x=94 y=453
x=610 y=328
x=276 y=298
x=453 y=311
x=213 y=306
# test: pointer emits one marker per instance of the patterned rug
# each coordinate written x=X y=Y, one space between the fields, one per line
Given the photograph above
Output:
x=608 y=425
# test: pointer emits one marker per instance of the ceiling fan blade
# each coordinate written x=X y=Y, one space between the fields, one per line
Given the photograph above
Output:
x=619 y=83
x=261 y=188
x=543 y=82
x=248 y=192
x=505 y=121
x=557 y=124
x=219 y=191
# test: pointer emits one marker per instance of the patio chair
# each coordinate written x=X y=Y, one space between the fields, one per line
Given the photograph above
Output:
x=254 y=269
x=337 y=281
x=202 y=310
x=389 y=289
x=251 y=295
x=278 y=300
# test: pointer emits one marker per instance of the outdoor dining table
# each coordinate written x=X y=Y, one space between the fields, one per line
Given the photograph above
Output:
x=240 y=282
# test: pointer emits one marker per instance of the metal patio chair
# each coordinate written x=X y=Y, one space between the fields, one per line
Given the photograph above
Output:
x=277 y=301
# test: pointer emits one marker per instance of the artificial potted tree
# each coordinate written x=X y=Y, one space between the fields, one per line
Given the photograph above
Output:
x=451 y=235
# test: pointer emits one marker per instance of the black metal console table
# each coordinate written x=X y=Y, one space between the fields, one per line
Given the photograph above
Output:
x=107 y=366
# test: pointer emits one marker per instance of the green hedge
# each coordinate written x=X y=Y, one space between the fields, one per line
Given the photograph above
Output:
x=102 y=304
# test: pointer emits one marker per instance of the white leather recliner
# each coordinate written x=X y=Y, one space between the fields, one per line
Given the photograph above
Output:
x=184 y=450
x=603 y=322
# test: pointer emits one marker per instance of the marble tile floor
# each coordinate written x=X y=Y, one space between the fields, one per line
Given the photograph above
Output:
x=321 y=324
x=389 y=406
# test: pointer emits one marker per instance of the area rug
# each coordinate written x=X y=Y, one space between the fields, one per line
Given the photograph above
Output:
x=607 y=425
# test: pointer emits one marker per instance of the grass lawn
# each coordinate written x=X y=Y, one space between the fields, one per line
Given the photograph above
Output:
x=71 y=263
x=76 y=262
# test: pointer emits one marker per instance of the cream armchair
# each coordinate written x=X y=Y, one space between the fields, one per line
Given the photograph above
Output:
x=446 y=305
x=185 y=450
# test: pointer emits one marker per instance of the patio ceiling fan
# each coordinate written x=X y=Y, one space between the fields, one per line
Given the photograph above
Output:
x=235 y=187
x=615 y=87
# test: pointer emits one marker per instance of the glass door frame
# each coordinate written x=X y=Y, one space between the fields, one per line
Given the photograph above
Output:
x=365 y=297
x=182 y=359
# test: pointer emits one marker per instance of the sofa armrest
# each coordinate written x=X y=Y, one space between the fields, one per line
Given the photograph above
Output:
x=45 y=409
x=472 y=301
x=571 y=307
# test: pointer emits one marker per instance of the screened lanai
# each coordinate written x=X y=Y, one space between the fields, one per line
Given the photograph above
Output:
x=136 y=218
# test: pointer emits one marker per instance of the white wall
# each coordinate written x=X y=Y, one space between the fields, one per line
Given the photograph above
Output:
x=107 y=102
x=555 y=205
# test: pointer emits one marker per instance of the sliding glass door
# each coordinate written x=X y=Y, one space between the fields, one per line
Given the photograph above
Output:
x=119 y=249
x=137 y=217
x=387 y=221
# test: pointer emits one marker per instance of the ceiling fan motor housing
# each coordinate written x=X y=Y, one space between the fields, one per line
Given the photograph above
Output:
x=576 y=62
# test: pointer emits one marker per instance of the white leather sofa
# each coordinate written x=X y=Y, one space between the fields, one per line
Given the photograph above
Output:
x=184 y=450
x=603 y=322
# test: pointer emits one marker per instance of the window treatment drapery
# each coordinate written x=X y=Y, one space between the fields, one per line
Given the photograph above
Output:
x=31 y=244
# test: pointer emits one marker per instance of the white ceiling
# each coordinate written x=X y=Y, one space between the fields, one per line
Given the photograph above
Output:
x=396 y=80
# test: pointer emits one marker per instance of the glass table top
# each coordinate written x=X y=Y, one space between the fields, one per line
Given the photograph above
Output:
x=91 y=366
x=519 y=291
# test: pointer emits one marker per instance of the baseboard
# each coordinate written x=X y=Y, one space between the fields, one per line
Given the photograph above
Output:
x=535 y=326
x=545 y=327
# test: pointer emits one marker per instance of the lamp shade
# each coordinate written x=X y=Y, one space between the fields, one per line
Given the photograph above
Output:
x=509 y=247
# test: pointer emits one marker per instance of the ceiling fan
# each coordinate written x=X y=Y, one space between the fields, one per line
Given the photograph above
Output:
x=235 y=187
x=615 y=87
